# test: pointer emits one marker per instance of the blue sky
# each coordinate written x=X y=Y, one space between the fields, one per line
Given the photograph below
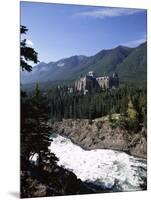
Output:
x=58 y=31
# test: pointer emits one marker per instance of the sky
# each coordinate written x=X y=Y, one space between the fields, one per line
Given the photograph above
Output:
x=59 y=31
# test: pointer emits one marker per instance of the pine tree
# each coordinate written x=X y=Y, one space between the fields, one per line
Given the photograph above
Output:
x=26 y=53
x=35 y=131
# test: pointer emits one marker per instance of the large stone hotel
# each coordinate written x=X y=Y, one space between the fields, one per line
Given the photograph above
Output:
x=92 y=82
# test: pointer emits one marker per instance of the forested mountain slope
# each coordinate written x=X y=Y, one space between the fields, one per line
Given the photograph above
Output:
x=129 y=63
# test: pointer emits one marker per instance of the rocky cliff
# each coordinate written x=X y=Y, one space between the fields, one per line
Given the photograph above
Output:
x=56 y=181
x=100 y=134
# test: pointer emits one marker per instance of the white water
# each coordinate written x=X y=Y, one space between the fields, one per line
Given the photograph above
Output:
x=102 y=167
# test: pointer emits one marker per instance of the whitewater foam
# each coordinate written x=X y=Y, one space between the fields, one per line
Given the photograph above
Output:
x=106 y=168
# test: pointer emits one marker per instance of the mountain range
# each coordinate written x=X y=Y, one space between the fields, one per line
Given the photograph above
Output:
x=129 y=63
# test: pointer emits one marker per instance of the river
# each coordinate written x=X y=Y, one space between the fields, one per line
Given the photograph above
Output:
x=108 y=169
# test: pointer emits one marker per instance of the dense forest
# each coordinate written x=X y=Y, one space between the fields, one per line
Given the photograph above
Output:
x=129 y=101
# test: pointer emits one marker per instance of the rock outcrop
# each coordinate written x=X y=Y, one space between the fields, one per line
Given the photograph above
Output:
x=56 y=181
x=99 y=134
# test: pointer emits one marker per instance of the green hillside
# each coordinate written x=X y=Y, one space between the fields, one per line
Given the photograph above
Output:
x=104 y=62
x=134 y=67
x=129 y=63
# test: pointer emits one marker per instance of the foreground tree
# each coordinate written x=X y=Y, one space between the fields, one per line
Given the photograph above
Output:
x=35 y=139
x=35 y=131
x=26 y=53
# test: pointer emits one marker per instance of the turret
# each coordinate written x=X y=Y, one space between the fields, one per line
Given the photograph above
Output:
x=115 y=80
x=115 y=75
x=91 y=73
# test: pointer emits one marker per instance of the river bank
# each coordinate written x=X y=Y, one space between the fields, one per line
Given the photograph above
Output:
x=99 y=134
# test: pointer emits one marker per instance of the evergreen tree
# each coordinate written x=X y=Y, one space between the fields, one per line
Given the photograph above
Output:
x=129 y=101
x=35 y=137
x=35 y=131
x=26 y=53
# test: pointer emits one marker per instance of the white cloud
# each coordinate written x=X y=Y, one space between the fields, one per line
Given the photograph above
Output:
x=29 y=43
x=109 y=12
x=134 y=43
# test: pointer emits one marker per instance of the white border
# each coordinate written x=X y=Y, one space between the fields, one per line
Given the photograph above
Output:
x=112 y=3
x=9 y=100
